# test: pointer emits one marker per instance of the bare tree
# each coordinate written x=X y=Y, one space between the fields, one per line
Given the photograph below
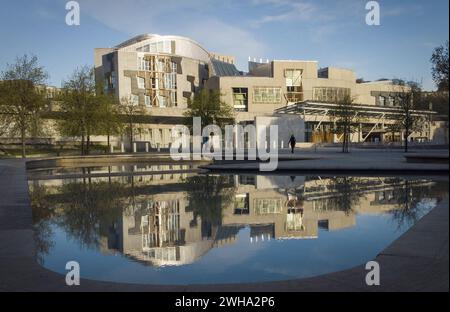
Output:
x=407 y=97
x=19 y=98
x=346 y=121
x=131 y=109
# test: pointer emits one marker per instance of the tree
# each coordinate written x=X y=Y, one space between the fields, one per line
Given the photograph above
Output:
x=19 y=97
x=346 y=121
x=80 y=107
x=408 y=96
x=439 y=70
x=212 y=110
x=109 y=113
x=131 y=110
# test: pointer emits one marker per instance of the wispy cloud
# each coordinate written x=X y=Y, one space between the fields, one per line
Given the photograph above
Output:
x=288 y=11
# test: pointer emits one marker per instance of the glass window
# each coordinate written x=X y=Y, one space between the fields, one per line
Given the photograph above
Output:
x=267 y=95
x=240 y=99
x=293 y=77
x=141 y=82
x=173 y=98
x=330 y=94
x=148 y=100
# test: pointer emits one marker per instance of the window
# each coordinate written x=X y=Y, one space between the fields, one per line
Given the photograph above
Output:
x=171 y=81
x=155 y=84
x=241 y=204
x=265 y=206
x=330 y=94
x=382 y=100
x=134 y=99
x=162 y=101
x=173 y=98
x=143 y=64
x=141 y=82
x=157 y=47
x=240 y=99
x=267 y=95
x=148 y=101
x=293 y=77
x=390 y=101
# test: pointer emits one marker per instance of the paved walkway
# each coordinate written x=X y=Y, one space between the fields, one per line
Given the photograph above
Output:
x=330 y=159
x=417 y=261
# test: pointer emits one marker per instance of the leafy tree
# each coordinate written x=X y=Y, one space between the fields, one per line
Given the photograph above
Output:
x=21 y=104
x=439 y=70
x=212 y=110
x=110 y=122
x=81 y=107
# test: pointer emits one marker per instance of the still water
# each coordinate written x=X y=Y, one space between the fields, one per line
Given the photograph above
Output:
x=168 y=225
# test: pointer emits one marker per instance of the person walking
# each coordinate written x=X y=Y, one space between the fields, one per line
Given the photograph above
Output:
x=292 y=142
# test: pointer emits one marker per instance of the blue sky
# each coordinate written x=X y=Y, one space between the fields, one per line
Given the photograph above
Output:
x=332 y=32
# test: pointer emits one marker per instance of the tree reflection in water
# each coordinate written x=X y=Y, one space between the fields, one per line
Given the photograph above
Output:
x=91 y=210
x=207 y=195
x=412 y=200
x=347 y=193
x=85 y=210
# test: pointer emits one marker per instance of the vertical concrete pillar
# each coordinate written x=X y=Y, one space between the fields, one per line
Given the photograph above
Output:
x=122 y=147
x=134 y=147
x=147 y=147
x=111 y=148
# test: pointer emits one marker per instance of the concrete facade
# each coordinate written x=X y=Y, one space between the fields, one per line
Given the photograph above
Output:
x=264 y=91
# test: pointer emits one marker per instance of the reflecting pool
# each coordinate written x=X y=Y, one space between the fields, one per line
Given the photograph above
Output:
x=166 y=224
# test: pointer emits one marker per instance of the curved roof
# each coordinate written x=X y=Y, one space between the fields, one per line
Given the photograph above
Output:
x=184 y=46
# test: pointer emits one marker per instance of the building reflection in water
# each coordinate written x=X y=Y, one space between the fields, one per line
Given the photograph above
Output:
x=173 y=219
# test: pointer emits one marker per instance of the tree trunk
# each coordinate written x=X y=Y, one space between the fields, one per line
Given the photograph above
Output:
x=22 y=138
x=82 y=144
x=406 y=140
x=88 y=143
x=131 y=136
x=109 y=144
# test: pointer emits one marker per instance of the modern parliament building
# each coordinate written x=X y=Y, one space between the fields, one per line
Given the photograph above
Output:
x=162 y=73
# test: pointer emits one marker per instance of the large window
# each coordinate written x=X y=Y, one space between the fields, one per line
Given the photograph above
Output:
x=143 y=64
x=148 y=101
x=241 y=204
x=240 y=99
x=156 y=47
x=141 y=82
x=267 y=95
x=265 y=206
x=330 y=94
x=171 y=81
x=293 y=77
